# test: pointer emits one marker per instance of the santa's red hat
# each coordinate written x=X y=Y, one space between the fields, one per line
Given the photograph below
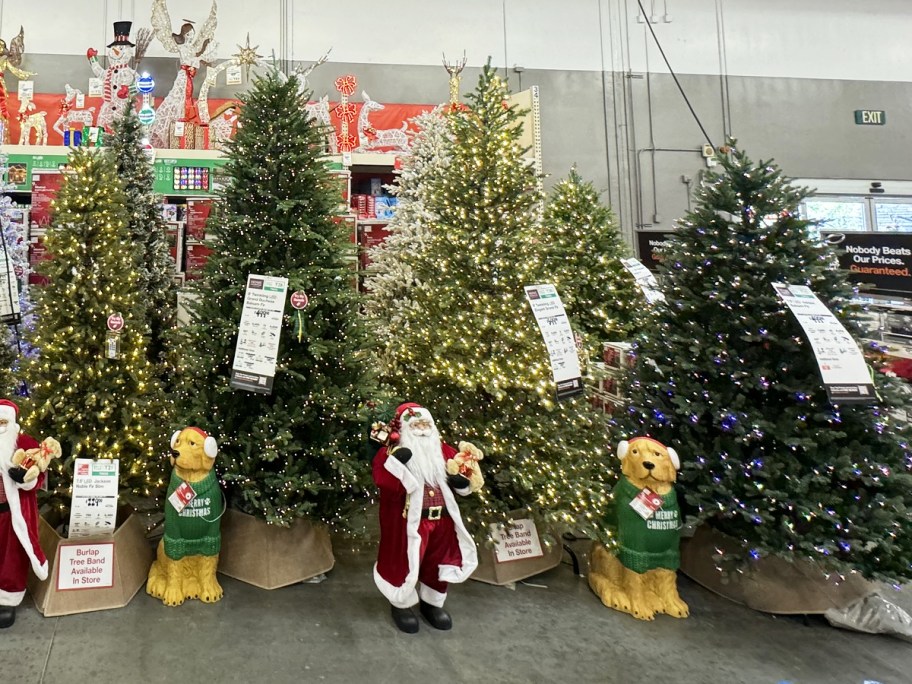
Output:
x=402 y=408
x=9 y=410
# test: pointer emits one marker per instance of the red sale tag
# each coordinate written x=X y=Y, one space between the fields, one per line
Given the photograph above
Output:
x=646 y=503
x=182 y=496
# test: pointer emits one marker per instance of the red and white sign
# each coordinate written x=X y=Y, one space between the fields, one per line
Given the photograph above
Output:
x=115 y=322
x=85 y=566
x=181 y=496
x=299 y=300
x=646 y=503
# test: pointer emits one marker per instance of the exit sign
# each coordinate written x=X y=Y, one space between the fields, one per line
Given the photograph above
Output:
x=870 y=117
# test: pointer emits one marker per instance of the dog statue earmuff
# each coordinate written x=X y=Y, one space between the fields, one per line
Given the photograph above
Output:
x=624 y=447
x=210 y=446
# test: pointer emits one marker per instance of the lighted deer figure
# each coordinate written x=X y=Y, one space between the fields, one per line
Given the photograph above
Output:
x=70 y=117
x=371 y=138
x=455 y=71
x=319 y=110
x=30 y=120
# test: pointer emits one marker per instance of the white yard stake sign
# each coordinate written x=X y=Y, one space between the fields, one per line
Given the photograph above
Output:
x=260 y=330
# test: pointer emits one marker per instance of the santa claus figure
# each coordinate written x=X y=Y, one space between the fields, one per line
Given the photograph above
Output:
x=424 y=545
x=19 y=547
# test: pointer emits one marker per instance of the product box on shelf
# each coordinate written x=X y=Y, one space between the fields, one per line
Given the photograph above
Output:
x=196 y=256
x=385 y=207
x=198 y=211
x=175 y=233
x=617 y=355
x=38 y=252
x=365 y=206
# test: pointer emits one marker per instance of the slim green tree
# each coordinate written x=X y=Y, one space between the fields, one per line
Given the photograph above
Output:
x=297 y=451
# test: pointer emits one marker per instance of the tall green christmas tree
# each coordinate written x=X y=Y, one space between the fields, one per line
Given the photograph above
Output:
x=468 y=347
x=390 y=277
x=583 y=259
x=294 y=452
x=726 y=376
x=146 y=228
x=95 y=405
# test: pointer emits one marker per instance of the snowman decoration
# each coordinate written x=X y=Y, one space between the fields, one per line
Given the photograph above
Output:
x=119 y=78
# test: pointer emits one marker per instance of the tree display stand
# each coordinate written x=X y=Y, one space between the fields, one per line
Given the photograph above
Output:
x=771 y=584
x=492 y=571
x=270 y=556
x=133 y=555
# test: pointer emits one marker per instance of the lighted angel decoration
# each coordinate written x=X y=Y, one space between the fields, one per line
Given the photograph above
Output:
x=11 y=59
x=193 y=48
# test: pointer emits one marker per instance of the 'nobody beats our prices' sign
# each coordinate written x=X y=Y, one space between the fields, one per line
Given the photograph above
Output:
x=879 y=263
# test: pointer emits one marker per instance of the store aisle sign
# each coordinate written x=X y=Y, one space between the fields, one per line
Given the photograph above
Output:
x=650 y=246
x=842 y=366
x=870 y=117
x=260 y=330
x=879 y=263
x=558 y=335
x=518 y=541
x=93 y=509
x=85 y=566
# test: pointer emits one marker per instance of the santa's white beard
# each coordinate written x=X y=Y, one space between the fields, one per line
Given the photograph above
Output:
x=8 y=446
x=426 y=463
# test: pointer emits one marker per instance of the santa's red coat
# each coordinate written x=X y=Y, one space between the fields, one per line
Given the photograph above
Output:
x=396 y=571
x=19 y=551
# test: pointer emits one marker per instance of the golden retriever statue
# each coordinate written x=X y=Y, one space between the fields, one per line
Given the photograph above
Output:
x=642 y=579
x=188 y=554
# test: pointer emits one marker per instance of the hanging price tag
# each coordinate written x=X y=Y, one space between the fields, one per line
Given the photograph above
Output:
x=96 y=87
x=112 y=346
x=26 y=90
x=181 y=496
x=80 y=100
x=179 y=129
x=646 y=503
x=233 y=75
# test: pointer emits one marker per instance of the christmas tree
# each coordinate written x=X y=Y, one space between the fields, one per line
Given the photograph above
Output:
x=390 y=277
x=583 y=259
x=468 y=347
x=146 y=228
x=726 y=376
x=95 y=405
x=294 y=452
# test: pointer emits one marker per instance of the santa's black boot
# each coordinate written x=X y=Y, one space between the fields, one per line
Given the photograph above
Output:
x=8 y=616
x=405 y=619
x=437 y=617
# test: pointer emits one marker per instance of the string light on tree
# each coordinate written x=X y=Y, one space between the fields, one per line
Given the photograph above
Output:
x=727 y=376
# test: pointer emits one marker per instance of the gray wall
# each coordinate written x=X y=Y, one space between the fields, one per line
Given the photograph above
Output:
x=609 y=123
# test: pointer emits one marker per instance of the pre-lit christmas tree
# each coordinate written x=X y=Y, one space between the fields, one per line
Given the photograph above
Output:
x=391 y=277
x=583 y=253
x=295 y=452
x=96 y=406
x=146 y=228
x=468 y=347
x=726 y=376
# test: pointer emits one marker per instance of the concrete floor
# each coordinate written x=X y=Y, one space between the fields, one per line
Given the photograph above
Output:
x=341 y=631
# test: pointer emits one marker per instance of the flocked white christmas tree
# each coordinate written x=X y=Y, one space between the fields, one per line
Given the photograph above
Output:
x=391 y=277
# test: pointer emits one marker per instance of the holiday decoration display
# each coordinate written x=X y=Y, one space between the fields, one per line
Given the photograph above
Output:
x=424 y=544
x=724 y=370
x=390 y=276
x=30 y=120
x=455 y=72
x=147 y=232
x=583 y=259
x=345 y=111
x=19 y=547
x=369 y=138
x=36 y=460
x=188 y=553
x=72 y=116
x=194 y=49
x=640 y=578
x=92 y=384
x=467 y=339
x=119 y=76
x=293 y=453
x=10 y=60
